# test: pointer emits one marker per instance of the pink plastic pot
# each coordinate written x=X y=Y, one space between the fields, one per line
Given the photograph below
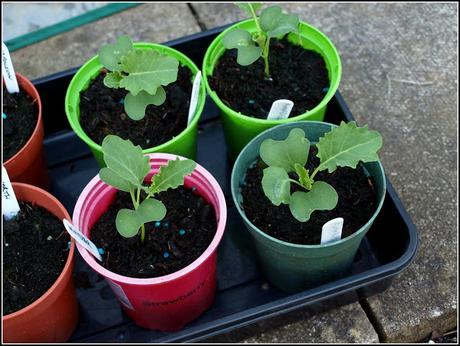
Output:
x=168 y=302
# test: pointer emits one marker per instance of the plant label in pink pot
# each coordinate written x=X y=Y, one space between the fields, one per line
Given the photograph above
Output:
x=162 y=279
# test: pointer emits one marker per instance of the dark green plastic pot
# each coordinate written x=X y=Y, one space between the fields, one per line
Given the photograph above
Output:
x=295 y=267
x=184 y=144
x=239 y=129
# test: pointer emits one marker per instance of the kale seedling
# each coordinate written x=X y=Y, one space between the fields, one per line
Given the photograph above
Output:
x=126 y=170
x=343 y=146
x=143 y=73
x=272 y=23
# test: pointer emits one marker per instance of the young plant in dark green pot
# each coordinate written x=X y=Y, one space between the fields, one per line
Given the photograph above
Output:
x=271 y=57
x=291 y=180
x=141 y=92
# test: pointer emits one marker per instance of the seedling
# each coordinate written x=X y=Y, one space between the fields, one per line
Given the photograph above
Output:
x=271 y=23
x=344 y=146
x=126 y=170
x=143 y=73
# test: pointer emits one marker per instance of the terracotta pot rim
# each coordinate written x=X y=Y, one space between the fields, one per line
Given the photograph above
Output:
x=68 y=264
x=36 y=96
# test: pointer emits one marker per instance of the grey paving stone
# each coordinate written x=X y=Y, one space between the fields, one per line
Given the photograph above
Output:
x=400 y=77
x=151 y=22
x=347 y=324
x=34 y=16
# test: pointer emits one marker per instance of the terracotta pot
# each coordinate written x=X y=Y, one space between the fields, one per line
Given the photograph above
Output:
x=28 y=164
x=54 y=316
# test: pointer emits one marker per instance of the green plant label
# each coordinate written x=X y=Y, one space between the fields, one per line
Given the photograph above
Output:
x=194 y=97
x=9 y=76
x=332 y=231
x=81 y=239
x=9 y=201
x=280 y=110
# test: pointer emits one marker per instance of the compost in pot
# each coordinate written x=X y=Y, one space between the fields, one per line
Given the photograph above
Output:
x=19 y=121
x=356 y=203
x=35 y=250
x=162 y=227
x=297 y=186
x=169 y=245
x=263 y=66
x=296 y=74
x=102 y=112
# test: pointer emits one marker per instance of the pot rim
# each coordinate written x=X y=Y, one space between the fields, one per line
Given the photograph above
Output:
x=285 y=243
x=69 y=262
x=221 y=222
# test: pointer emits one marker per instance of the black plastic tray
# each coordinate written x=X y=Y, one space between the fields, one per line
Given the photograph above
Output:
x=243 y=296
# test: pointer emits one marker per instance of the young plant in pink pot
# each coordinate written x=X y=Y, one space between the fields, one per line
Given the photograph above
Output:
x=157 y=221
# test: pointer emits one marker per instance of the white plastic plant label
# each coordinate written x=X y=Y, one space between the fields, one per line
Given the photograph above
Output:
x=280 y=110
x=9 y=202
x=120 y=294
x=332 y=231
x=82 y=239
x=194 y=98
x=9 y=76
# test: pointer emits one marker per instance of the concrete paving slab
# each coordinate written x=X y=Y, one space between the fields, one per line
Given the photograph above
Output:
x=346 y=324
x=151 y=22
x=20 y=19
x=400 y=77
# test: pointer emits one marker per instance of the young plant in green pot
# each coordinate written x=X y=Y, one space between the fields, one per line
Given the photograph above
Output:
x=138 y=91
x=158 y=219
x=272 y=56
x=291 y=180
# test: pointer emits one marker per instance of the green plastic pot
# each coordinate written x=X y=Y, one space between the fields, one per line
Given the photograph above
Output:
x=294 y=267
x=184 y=144
x=239 y=129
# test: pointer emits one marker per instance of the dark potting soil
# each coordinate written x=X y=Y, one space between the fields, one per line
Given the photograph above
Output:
x=21 y=118
x=102 y=112
x=357 y=202
x=35 y=250
x=165 y=248
x=296 y=74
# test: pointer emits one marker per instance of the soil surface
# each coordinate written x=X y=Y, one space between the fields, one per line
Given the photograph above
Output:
x=296 y=74
x=357 y=202
x=102 y=112
x=182 y=236
x=35 y=250
x=21 y=118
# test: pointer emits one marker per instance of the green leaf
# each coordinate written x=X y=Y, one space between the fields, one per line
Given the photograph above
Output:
x=249 y=7
x=275 y=23
x=124 y=160
x=240 y=39
x=135 y=105
x=322 y=196
x=129 y=221
x=172 y=175
x=276 y=185
x=111 y=178
x=286 y=153
x=112 y=79
x=147 y=70
x=304 y=176
x=110 y=55
x=347 y=145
